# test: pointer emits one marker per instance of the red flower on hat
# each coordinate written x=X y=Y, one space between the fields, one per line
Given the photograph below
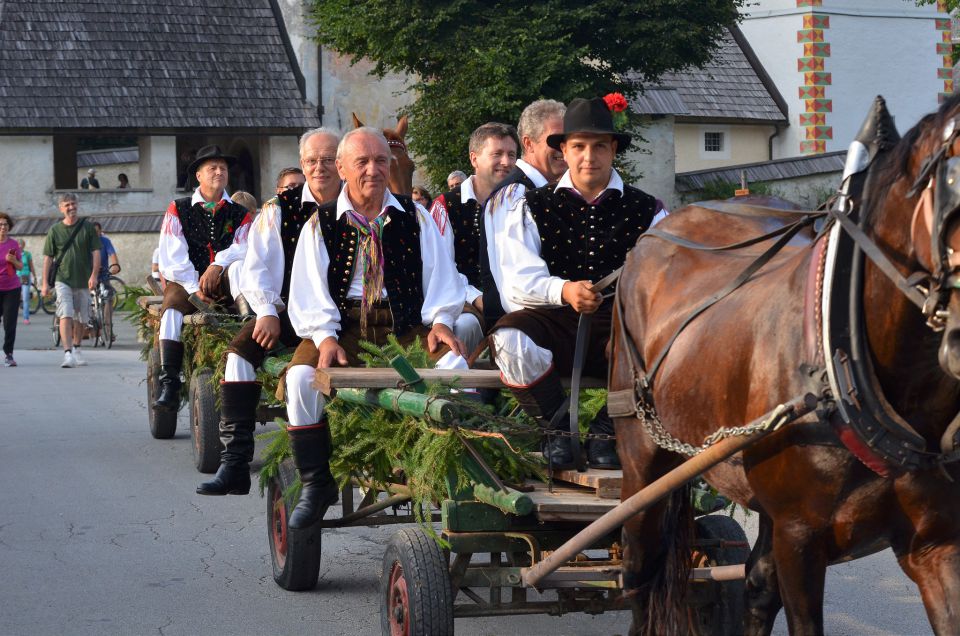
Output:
x=616 y=102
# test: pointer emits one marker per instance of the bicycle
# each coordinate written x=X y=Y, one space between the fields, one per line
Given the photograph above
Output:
x=104 y=299
x=37 y=303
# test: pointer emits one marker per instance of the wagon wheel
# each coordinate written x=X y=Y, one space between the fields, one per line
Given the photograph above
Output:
x=724 y=615
x=163 y=424
x=295 y=553
x=204 y=421
x=415 y=591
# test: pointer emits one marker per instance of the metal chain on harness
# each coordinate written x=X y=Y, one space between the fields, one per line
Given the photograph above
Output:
x=647 y=415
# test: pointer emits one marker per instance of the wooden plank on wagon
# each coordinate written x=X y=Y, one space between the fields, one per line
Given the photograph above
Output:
x=567 y=503
x=146 y=301
x=606 y=483
x=328 y=380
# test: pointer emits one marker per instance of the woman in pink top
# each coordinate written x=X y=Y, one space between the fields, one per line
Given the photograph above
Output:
x=9 y=287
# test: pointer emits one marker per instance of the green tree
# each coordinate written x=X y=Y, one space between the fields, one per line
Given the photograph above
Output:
x=477 y=61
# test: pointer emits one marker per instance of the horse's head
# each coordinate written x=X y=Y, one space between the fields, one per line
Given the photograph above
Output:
x=401 y=165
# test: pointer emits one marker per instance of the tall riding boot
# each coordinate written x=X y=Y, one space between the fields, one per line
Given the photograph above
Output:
x=545 y=401
x=171 y=361
x=311 y=453
x=238 y=414
x=602 y=453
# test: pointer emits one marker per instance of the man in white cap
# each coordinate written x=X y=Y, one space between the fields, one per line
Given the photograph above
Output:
x=90 y=181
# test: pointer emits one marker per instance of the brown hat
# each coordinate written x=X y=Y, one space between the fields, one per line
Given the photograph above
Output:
x=589 y=116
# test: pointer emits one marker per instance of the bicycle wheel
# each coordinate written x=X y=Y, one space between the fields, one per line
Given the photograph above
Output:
x=35 y=301
x=48 y=304
x=119 y=289
x=106 y=329
x=96 y=321
x=56 y=331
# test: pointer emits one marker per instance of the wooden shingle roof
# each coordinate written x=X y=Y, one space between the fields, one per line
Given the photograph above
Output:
x=147 y=65
x=764 y=171
x=733 y=86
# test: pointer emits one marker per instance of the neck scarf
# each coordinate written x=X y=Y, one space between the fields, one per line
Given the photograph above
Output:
x=370 y=261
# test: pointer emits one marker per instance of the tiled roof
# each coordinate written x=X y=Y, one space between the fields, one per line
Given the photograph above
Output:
x=658 y=100
x=731 y=86
x=112 y=223
x=764 y=171
x=87 y=158
x=147 y=64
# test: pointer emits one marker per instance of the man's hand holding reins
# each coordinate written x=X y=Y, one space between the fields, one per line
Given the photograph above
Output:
x=442 y=335
x=331 y=353
x=266 y=332
x=580 y=295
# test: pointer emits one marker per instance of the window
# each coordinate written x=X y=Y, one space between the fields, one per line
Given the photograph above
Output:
x=713 y=141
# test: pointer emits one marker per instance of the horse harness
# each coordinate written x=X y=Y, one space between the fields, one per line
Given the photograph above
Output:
x=850 y=395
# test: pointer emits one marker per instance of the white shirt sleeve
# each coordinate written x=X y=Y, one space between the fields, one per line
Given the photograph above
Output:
x=238 y=249
x=312 y=311
x=443 y=285
x=174 y=261
x=261 y=278
x=526 y=279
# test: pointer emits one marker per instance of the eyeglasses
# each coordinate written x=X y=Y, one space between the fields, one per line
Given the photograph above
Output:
x=326 y=162
x=4 y=224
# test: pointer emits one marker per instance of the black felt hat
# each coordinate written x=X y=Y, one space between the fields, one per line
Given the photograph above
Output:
x=208 y=153
x=589 y=116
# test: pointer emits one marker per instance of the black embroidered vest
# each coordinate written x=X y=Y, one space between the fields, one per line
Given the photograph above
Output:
x=580 y=241
x=402 y=266
x=492 y=307
x=205 y=233
x=293 y=216
x=465 y=224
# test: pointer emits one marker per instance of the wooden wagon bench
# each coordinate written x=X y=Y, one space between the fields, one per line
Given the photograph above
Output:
x=492 y=533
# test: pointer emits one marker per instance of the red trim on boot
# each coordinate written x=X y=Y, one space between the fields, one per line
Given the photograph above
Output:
x=307 y=427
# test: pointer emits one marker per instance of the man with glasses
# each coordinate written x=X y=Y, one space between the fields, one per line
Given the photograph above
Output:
x=78 y=263
x=289 y=179
x=265 y=285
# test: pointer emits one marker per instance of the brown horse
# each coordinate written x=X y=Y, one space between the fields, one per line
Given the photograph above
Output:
x=401 y=165
x=817 y=503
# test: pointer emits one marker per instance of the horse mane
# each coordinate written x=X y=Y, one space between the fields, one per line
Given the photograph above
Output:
x=895 y=164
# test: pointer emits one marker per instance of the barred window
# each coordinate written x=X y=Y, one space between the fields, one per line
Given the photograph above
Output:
x=713 y=141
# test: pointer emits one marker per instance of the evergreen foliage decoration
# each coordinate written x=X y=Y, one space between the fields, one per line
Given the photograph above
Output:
x=382 y=447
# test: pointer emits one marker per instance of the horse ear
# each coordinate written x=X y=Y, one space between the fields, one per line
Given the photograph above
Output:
x=356 y=121
x=402 y=127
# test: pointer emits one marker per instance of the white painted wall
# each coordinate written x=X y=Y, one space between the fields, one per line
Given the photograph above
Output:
x=276 y=153
x=655 y=159
x=27 y=183
x=306 y=50
x=744 y=144
x=877 y=47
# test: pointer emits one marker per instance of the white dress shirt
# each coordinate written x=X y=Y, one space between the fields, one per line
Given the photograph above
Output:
x=312 y=311
x=261 y=279
x=442 y=218
x=497 y=211
x=174 y=257
x=526 y=279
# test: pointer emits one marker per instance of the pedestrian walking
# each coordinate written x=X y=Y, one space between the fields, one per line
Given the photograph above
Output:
x=71 y=262
x=9 y=287
x=27 y=276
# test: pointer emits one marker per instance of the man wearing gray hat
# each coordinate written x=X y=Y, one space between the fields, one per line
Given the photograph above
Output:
x=203 y=240
x=90 y=181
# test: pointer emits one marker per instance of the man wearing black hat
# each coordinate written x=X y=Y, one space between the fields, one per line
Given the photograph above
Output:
x=556 y=242
x=202 y=244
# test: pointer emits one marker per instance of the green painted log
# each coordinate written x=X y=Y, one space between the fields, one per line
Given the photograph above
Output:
x=511 y=501
x=403 y=402
x=402 y=366
x=274 y=365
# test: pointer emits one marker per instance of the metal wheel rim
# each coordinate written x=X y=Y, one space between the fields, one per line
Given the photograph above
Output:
x=399 y=602
x=278 y=527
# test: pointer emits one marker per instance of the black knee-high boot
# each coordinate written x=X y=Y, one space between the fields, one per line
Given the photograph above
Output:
x=602 y=453
x=311 y=453
x=543 y=401
x=238 y=414
x=171 y=362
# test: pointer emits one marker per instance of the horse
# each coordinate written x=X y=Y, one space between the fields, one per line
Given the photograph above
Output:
x=401 y=165
x=819 y=500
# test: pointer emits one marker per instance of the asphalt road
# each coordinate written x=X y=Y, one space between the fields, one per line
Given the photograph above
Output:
x=101 y=532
